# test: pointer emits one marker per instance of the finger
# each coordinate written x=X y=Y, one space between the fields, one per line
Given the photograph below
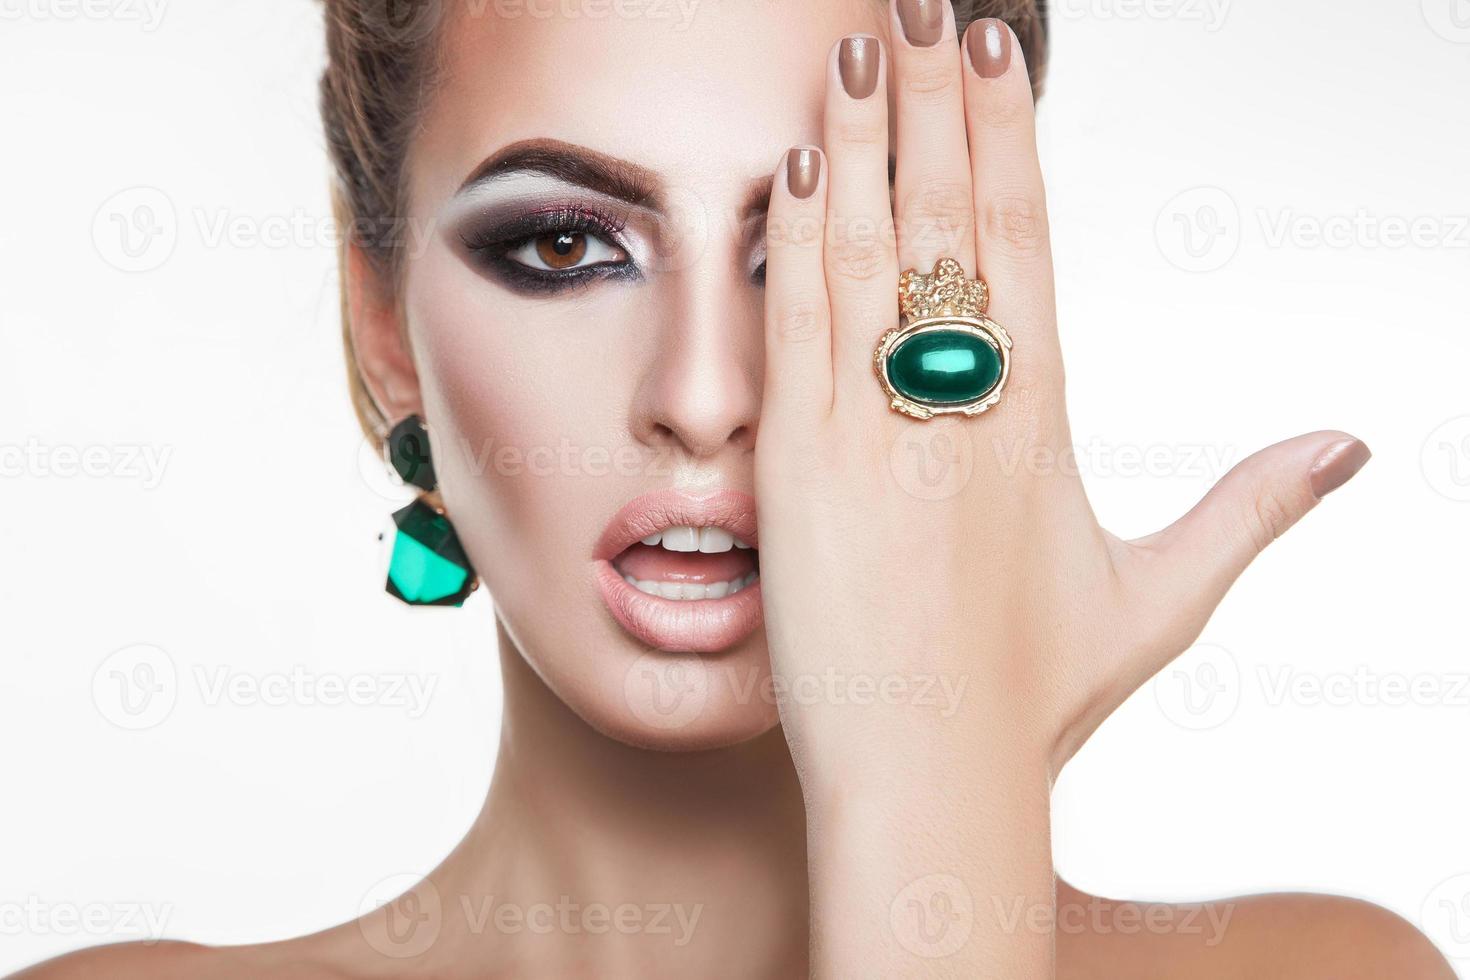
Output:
x=798 y=322
x=934 y=198
x=1013 y=241
x=858 y=254
x=1186 y=569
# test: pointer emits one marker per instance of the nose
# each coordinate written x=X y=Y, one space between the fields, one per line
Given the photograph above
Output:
x=699 y=392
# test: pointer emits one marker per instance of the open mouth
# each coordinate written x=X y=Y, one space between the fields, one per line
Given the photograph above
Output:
x=681 y=572
x=686 y=563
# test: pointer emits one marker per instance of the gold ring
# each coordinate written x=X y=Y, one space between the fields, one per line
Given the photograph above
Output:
x=945 y=356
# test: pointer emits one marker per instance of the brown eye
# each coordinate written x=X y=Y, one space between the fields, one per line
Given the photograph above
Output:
x=562 y=250
x=566 y=250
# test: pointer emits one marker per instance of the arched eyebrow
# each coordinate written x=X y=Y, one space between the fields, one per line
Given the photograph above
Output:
x=609 y=175
x=573 y=164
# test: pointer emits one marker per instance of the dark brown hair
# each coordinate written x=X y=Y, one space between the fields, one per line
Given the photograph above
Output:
x=381 y=56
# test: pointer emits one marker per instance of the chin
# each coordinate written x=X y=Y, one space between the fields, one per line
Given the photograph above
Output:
x=667 y=701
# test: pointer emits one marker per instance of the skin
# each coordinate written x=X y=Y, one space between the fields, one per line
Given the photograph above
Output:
x=791 y=824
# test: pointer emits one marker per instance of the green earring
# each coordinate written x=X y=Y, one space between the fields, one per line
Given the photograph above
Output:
x=429 y=566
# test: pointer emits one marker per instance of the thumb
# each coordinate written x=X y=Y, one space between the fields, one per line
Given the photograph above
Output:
x=1194 y=561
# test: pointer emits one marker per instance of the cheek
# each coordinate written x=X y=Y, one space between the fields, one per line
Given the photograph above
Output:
x=527 y=402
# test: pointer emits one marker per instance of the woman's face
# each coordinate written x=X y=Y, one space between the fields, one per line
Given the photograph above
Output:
x=584 y=306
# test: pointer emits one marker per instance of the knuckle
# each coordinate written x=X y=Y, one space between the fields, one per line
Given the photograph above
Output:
x=799 y=323
x=856 y=255
x=930 y=80
x=941 y=212
x=798 y=230
x=1003 y=113
x=863 y=130
x=1018 y=225
x=1269 y=517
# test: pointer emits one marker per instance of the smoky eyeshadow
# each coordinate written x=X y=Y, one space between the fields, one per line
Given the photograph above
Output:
x=485 y=232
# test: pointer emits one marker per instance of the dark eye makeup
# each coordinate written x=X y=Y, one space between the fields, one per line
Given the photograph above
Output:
x=552 y=249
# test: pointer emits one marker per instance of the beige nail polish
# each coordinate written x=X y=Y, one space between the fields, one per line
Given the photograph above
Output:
x=1337 y=465
x=922 y=20
x=989 y=43
x=857 y=63
x=803 y=168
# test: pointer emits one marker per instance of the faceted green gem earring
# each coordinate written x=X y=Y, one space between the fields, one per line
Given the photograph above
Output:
x=429 y=566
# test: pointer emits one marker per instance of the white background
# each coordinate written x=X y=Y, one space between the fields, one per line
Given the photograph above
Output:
x=1231 y=186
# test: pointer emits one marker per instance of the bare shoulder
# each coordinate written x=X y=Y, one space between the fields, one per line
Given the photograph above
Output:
x=180 y=961
x=1265 y=937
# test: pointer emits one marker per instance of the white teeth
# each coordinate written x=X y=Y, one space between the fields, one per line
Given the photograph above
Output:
x=681 y=539
x=715 y=540
x=682 y=591
x=709 y=540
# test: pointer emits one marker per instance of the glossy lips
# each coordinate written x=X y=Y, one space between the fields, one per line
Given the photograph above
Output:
x=681 y=545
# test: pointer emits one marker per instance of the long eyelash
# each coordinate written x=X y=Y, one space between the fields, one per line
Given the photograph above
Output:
x=492 y=245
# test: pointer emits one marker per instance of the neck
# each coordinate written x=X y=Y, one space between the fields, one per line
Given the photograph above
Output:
x=644 y=863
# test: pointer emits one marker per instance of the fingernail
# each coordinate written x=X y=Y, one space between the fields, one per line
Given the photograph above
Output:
x=857 y=63
x=989 y=44
x=1337 y=465
x=922 y=20
x=803 y=167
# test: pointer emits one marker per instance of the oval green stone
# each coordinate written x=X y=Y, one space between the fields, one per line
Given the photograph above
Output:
x=942 y=367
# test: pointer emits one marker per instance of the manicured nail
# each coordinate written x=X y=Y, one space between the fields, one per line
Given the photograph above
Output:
x=989 y=44
x=803 y=167
x=922 y=20
x=857 y=63
x=1337 y=465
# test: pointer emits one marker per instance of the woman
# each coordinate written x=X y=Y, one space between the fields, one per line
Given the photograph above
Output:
x=782 y=698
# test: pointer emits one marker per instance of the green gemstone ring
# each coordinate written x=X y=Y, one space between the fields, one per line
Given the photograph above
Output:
x=947 y=356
